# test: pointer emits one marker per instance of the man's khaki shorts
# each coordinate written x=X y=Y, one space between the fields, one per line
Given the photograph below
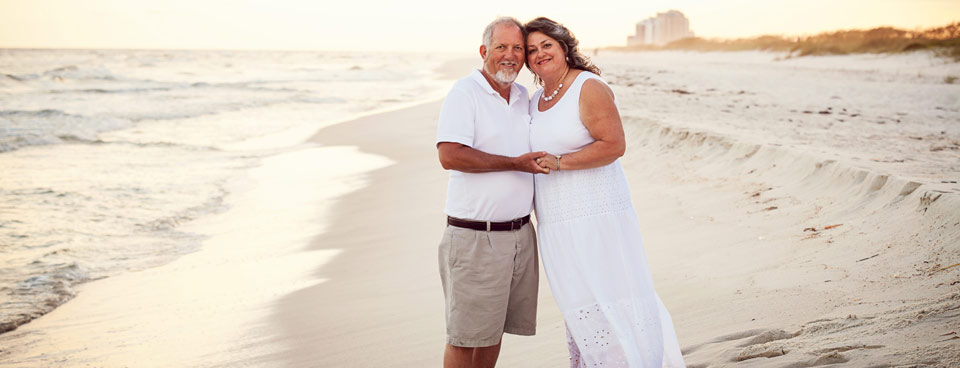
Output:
x=490 y=281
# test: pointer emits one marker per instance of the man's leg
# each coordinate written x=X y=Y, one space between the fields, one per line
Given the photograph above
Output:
x=476 y=295
x=486 y=357
x=457 y=357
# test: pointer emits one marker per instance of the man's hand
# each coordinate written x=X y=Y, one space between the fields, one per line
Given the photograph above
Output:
x=530 y=163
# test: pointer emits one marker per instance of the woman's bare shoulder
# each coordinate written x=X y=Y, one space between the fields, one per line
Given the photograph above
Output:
x=595 y=89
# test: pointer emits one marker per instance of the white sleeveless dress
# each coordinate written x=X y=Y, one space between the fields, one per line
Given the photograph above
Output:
x=592 y=252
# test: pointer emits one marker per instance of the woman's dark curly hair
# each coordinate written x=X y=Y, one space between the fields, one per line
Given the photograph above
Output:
x=567 y=41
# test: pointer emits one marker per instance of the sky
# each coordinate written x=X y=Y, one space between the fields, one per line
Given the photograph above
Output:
x=420 y=25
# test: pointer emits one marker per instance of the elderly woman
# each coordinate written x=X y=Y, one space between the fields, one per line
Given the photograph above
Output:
x=589 y=235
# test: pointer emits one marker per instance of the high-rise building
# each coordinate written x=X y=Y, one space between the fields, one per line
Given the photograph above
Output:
x=660 y=30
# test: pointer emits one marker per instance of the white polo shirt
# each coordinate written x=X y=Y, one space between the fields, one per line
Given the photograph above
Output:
x=475 y=115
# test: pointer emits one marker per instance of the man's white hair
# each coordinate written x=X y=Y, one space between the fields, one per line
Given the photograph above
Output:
x=488 y=32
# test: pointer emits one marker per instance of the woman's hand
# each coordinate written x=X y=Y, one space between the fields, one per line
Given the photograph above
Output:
x=530 y=162
x=549 y=161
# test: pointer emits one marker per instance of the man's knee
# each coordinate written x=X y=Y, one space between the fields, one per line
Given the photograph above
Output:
x=457 y=357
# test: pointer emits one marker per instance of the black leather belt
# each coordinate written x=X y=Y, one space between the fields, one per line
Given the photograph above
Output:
x=515 y=224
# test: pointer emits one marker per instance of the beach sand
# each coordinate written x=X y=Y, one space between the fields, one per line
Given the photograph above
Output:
x=776 y=237
x=799 y=212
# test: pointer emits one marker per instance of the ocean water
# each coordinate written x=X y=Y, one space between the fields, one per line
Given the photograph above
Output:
x=105 y=155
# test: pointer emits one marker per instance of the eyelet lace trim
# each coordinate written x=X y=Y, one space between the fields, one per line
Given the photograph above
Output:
x=593 y=341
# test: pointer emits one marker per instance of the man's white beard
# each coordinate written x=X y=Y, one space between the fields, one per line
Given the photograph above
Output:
x=502 y=76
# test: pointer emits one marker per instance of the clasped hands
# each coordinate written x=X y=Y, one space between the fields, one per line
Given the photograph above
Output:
x=538 y=162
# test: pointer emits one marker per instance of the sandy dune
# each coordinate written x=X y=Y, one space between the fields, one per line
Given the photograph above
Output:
x=800 y=234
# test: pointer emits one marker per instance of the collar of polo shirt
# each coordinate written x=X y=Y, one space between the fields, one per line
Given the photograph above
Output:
x=478 y=77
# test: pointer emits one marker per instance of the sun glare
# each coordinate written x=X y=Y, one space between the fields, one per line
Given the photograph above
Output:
x=425 y=25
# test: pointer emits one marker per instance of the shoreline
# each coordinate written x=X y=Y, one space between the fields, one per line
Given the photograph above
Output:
x=395 y=305
x=342 y=169
x=206 y=308
x=98 y=188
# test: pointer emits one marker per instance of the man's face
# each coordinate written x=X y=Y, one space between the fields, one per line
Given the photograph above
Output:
x=505 y=56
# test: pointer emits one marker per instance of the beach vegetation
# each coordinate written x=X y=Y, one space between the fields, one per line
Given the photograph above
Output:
x=943 y=41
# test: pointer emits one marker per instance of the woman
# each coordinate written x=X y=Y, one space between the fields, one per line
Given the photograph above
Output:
x=589 y=235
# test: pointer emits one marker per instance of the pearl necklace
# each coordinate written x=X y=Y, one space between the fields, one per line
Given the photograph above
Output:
x=554 y=94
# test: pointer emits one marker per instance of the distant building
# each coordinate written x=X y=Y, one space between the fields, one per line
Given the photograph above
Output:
x=661 y=30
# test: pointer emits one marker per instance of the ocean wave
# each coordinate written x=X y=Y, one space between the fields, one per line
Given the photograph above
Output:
x=13 y=77
x=21 y=128
x=71 y=72
x=318 y=100
x=62 y=69
x=22 y=77
x=69 y=138
x=213 y=204
x=32 y=113
x=8 y=144
x=75 y=73
x=109 y=90
x=162 y=144
x=39 y=294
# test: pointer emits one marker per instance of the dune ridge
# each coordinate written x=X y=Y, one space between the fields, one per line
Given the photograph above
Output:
x=868 y=252
x=945 y=40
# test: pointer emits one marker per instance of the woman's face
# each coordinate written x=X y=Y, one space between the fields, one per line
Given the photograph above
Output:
x=545 y=55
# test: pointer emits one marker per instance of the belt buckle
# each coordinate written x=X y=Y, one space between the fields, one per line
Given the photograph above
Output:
x=518 y=222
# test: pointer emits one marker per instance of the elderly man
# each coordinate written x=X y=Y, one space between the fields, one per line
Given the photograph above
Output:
x=488 y=254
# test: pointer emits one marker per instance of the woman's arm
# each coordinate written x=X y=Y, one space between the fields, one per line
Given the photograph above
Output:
x=601 y=118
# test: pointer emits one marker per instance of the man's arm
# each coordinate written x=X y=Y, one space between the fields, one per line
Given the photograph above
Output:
x=455 y=156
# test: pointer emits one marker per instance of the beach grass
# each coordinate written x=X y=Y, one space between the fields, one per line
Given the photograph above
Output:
x=944 y=41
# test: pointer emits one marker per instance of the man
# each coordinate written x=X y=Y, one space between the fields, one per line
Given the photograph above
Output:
x=488 y=254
